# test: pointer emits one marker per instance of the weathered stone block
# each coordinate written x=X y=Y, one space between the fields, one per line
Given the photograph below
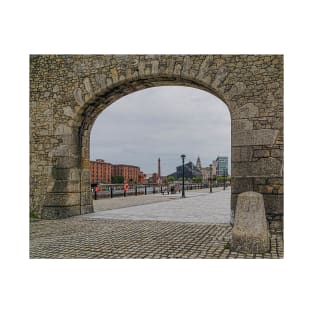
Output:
x=265 y=167
x=250 y=233
x=265 y=189
x=242 y=184
x=50 y=212
x=242 y=154
x=242 y=124
x=260 y=180
x=277 y=153
x=63 y=129
x=278 y=189
x=86 y=198
x=261 y=153
x=254 y=137
x=61 y=199
x=64 y=150
x=276 y=181
x=246 y=111
x=237 y=89
x=65 y=173
x=274 y=204
x=85 y=176
x=66 y=161
x=71 y=141
x=63 y=186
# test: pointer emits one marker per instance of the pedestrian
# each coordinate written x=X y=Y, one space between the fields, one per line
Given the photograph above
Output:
x=96 y=190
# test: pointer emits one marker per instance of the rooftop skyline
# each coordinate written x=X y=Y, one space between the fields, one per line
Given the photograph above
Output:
x=127 y=164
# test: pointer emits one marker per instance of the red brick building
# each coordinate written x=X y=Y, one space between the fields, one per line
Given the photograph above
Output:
x=141 y=178
x=100 y=171
x=129 y=172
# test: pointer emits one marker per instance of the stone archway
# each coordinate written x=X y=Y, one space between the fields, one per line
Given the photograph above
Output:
x=68 y=93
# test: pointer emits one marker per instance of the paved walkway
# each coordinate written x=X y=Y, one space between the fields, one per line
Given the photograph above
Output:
x=197 y=207
x=81 y=237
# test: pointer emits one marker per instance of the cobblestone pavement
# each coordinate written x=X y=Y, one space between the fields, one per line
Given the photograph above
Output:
x=80 y=237
x=199 y=206
x=195 y=227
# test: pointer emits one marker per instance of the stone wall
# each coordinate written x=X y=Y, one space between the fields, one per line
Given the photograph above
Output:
x=68 y=92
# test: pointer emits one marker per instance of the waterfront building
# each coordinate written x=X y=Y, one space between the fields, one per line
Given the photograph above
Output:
x=222 y=165
x=100 y=172
x=190 y=171
x=129 y=172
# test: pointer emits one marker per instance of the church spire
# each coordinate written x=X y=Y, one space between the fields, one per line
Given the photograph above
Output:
x=198 y=163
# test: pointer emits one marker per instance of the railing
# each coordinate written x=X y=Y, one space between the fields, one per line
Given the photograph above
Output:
x=117 y=190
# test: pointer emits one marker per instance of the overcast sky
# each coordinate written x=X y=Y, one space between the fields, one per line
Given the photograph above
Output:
x=162 y=122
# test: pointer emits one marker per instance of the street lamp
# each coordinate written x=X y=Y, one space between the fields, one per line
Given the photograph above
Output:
x=183 y=190
x=210 y=178
x=224 y=178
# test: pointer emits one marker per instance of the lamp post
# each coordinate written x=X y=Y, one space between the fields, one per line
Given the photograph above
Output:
x=224 y=178
x=183 y=189
x=210 y=178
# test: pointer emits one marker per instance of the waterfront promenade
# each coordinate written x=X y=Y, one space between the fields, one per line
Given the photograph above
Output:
x=153 y=226
x=199 y=206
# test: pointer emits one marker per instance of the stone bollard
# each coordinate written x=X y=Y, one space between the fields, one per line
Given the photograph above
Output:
x=250 y=233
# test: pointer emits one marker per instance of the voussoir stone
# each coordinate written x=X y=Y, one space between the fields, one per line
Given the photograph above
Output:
x=250 y=233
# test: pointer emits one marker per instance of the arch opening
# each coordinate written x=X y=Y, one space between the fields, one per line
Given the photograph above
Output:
x=176 y=119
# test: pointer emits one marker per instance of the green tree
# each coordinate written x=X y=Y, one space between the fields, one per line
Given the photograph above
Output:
x=117 y=179
x=170 y=179
x=220 y=179
x=197 y=179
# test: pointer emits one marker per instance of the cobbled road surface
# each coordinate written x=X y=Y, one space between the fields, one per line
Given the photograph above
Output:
x=195 y=227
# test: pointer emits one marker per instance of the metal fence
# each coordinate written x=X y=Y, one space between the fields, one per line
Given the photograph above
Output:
x=117 y=190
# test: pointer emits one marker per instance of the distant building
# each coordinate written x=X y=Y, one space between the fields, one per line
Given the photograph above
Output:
x=151 y=178
x=141 y=178
x=222 y=165
x=129 y=172
x=190 y=171
x=100 y=172
x=163 y=180
x=154 y=178
x=214 y=168
x=198 y=163
x=205 y=172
